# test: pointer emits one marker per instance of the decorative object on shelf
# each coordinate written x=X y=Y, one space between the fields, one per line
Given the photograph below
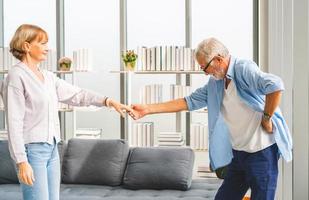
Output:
x=129 y=58
x=65 y=64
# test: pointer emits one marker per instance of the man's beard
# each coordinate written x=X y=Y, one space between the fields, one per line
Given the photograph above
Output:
x=218 y=74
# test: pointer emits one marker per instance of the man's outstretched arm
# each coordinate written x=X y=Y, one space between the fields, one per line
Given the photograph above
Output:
x=140 y=110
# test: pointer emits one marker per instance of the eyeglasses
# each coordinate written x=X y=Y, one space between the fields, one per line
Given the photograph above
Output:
x=205 y=68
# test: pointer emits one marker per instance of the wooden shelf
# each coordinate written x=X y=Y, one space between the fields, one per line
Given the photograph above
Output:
x=82 y=109
x=88 y=109
x=63 y=72
x=65 y=109
x=199 y=111
x=200 y=150
x=68 y=72
x=158 y=72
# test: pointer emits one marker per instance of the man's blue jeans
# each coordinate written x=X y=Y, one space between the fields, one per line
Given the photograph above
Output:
x=257 y=171
x=44 y=160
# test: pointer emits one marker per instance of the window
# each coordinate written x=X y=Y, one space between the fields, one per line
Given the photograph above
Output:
x=229 y=21
x=35 y=12
x=95 y=25
x=155 y=23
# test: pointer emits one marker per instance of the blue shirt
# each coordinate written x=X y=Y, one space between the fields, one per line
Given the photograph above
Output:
x=252 y=85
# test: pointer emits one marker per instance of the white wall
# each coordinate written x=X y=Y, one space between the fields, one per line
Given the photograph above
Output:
x=288 y=57
x=300 y=99
x=280 y=48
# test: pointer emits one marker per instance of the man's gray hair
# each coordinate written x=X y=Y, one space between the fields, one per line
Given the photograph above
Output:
x=211 y=47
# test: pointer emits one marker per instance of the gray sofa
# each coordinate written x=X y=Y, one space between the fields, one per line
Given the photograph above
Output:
x=110 y=170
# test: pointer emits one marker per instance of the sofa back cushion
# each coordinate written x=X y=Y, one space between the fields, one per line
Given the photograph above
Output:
x=159 y=168
x=94 y=161
x=62 y=149
x=8 y=173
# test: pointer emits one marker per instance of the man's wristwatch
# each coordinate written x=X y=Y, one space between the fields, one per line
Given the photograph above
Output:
x=266 y=116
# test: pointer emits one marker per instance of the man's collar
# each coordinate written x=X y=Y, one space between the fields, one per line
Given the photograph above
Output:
x=230 y=70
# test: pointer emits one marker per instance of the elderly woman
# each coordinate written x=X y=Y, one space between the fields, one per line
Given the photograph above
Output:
x=31 y=96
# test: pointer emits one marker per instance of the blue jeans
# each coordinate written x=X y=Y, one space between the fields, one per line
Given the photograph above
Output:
x=257 y=171
x=44 y=160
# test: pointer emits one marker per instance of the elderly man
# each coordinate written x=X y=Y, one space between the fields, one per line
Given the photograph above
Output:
x=247 y=131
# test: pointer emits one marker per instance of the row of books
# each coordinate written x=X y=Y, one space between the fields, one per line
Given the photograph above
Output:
x=179 y=91
x=199 y=136
x=166 y=58
x=7 y=60
x=170 y=139
x=50 y=63
x=82 y=60
x=151 y=94
x=63 y=106
x=88 y=133
x=142 y=134
x=205 y=172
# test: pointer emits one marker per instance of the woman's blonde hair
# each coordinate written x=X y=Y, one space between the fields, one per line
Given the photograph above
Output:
x=25 y=33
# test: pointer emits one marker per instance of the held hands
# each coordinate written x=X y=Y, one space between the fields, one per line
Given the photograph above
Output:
x=139 y=111
x=25 y=173
x=136 y=111
x=120 y=108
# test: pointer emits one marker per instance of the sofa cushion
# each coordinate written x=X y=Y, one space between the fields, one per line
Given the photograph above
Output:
x=96 y=162
x=61 y=149
x=159 y=168
x=8 y=173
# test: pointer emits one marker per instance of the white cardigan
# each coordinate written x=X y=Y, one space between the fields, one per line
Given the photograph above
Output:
x=31 y=107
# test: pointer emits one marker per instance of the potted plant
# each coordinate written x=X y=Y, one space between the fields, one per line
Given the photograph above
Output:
x=129 y=58
x=65 y=64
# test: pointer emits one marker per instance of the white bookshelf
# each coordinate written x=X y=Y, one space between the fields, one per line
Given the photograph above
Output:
x=130 y=76
x=82 y=133
x=86 y=133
